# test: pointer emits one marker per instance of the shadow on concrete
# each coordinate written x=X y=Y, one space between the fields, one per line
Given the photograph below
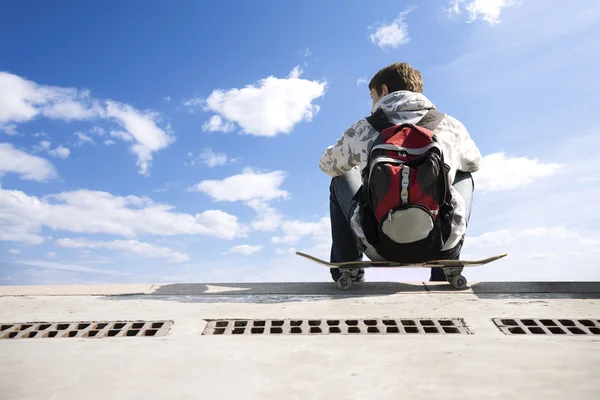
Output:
x=269 y=293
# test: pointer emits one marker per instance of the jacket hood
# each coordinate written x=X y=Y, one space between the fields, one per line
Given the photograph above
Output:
x=404 y=106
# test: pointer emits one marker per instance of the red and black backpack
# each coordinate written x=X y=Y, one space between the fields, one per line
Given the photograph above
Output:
x=405 y=199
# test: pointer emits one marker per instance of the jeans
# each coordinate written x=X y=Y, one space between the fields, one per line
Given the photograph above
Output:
x=343 y=199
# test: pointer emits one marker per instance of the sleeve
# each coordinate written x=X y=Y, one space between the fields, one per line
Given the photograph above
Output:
x=469 y=157
x=341 y=157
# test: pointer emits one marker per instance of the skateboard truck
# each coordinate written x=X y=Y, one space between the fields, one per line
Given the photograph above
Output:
x=347 y=279
x=455 y=278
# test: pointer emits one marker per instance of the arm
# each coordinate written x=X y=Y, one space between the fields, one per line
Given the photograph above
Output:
x=341 y=157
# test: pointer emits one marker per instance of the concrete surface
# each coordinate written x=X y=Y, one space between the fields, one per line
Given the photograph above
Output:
x=186 y=365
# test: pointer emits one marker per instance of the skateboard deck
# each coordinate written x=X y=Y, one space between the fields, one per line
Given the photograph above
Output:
x=394 y=264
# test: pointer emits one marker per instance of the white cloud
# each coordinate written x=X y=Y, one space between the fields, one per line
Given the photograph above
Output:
x=60 y=152
x=50 y=254
x=193 y=104
x=272 y=106
x=394 y=34
x=249 y=185
x=361 y=81
x=305 y=52
x=44 y=145
x=213 y=159
x=70 y=267
x=487 y=10
x=83 y=139
x=255 y=190
x=109 y=142
x=544 y=253
x=287 y=251
x=210 y=158
x=9 y=129
x=216 y=124
x=505 y=236
x=499 y=172
x=122 y=135
x=84 y=211
x=165 y=187
x=131 y=246
x=22 y=100
x=245 y=249
x=13 y=251
x=96 y=130
x=142 y=127
x=27 y=166
x=268 y=218
x=167 y=99
x=294 y=230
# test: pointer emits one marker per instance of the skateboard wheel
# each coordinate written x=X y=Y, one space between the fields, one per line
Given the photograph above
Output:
x=344 y=282
x=459 y=282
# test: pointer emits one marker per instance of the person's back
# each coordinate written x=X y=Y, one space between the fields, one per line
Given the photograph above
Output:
x=397 y=99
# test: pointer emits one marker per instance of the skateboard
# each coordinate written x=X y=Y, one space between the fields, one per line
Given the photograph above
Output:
x=452 y=268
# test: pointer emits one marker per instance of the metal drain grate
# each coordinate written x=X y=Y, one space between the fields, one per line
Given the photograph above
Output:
x=334 y=326
x=84 y=329
x=532 y=326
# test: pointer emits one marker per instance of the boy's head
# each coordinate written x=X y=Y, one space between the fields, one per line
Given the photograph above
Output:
x=394 y=77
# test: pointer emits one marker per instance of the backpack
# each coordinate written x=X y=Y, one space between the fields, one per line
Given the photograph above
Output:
x=405 y=196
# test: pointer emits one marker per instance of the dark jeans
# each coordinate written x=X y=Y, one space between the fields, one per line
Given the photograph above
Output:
x=343 y=199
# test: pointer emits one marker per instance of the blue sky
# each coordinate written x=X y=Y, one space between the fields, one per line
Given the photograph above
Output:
x=152 y=142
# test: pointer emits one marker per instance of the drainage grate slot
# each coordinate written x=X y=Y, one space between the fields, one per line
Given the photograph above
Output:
x=532 y=326
x=370 y=326
x=84 y=329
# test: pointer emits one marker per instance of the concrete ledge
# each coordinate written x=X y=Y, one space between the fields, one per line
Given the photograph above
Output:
x=518 y=287
x=301 y=288
x=75 y=290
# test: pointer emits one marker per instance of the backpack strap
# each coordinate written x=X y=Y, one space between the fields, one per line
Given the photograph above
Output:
x=431 y=120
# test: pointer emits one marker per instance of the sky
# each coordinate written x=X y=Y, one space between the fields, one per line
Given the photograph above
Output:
x=158 y=142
